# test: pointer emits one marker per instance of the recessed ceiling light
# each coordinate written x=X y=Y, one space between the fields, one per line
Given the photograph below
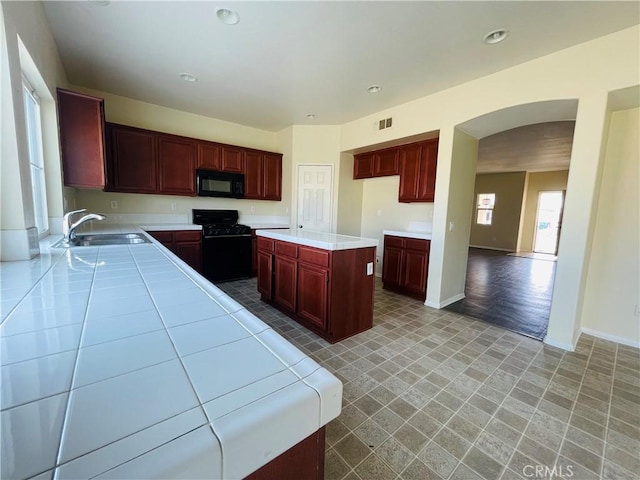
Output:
x=496 y=36
x=374 y=88
x=100 y=3
x=228 y=17
x=311 y=116
x=187 y=77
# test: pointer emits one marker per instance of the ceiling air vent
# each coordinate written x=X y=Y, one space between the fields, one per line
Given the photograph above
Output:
x=385 y=123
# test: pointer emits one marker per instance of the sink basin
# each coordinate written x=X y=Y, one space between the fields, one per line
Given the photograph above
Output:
x=96 y=240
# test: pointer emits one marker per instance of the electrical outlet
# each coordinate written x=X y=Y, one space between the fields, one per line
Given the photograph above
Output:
x=114 y=204
x=370 y=268
x=253 y=208
x=174 y=206
x=379 y=213
x=636 y=312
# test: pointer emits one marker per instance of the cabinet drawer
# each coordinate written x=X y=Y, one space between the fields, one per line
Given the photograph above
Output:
x=287 y=249
x=314 y=256
x=187 y=235
x=416 y=244
x=265 y=244
x=390 y=241
x=162 y=236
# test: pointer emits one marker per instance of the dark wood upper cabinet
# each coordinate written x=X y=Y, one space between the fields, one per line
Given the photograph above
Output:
x=272 y=171
x=253 y=175
x=363 y=165
x=409 y=172
x=232 y=159
x=428 y=167
x=132 y=160
x=386 y=163
x=176 y=165
x=418 y=164
x=145 y=161
x=81 y=120
x=209 y=156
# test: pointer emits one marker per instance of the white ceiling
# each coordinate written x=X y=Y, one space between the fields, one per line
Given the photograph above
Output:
x=287 y=59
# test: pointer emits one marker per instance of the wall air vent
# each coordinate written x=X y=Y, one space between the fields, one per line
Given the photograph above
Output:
x=385 y=123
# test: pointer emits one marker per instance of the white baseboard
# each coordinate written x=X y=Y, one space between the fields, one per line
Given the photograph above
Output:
x=563 y=345
x=612 y=338
x=445 y=302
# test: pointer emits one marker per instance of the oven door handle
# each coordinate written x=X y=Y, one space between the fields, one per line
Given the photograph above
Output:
x=228 y=236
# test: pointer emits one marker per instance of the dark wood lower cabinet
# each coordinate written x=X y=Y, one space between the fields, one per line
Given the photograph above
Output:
x=304 y=461
x=329 y=292
x=186 y=244
x=405 y=265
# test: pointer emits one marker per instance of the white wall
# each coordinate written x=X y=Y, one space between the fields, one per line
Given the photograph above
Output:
x=564 y=75
x=27 y=47
x=382 y=211
x=349 y=199
x=612 y=292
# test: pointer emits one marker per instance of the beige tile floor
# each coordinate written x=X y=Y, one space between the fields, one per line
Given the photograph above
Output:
x=430 y=394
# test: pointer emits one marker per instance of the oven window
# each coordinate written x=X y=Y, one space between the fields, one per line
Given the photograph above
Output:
x=209 y=185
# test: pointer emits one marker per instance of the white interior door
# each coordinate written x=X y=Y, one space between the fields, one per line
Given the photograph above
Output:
x=315 y=192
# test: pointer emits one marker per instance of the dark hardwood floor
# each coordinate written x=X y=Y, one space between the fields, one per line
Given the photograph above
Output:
x=512 y=292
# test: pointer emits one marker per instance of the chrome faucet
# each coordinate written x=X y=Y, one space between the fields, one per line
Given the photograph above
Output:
x=69 y=229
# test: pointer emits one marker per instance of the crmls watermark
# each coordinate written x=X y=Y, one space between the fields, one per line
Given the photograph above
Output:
x=544 y=471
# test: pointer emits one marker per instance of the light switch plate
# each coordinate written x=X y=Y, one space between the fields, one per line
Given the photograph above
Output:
x=370 y=268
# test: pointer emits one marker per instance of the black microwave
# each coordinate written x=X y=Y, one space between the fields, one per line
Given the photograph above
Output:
x=210 y=183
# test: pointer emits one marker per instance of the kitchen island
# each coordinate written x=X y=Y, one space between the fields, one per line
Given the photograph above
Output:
x=324 y=281
x=122 y=362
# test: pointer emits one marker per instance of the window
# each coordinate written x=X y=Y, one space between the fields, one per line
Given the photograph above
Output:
x=486 y=202
x=36 y=159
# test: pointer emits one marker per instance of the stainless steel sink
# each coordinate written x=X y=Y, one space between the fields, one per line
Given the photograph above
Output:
x=96 y=240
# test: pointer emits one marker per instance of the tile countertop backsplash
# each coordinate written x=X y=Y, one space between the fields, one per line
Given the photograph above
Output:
x=122 y=362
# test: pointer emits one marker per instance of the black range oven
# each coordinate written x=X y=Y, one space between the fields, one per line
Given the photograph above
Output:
x=226 y=245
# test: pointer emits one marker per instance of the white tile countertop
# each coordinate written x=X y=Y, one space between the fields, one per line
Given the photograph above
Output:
x=325 y=241
x=122 y=362
x=408 y=234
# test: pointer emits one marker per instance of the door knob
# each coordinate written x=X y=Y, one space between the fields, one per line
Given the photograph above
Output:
x=299 y=226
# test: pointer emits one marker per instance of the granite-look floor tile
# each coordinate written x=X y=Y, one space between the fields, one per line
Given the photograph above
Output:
x=425 y=424
x=335 y=431
x=402 y=408
x=367 y=405
x=452 y=443
x=496 y=383
x=612 y=471
x=371 y=433
x=373 y=468
x=438 y=459
x=438 y=411
x=474 y=415
x=352 y=450
x=395 y=454
x=410 y=438
x=511 y=419
x=622 y=458
x=494 y=447
x=388 y=420
x=352 y=416
x=419 y=471
x=483 y=464
x=465 y=429
x=567 y=467
x=578 y=454
x=464 y=473
x=538 y=452
x=334 y=467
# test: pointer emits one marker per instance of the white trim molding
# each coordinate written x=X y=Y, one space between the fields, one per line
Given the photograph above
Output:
x=612 y=338
x=563 y=345
x=445 y=302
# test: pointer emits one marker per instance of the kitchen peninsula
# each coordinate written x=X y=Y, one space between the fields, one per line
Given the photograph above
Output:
x=324 y=281
x=122 y=362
